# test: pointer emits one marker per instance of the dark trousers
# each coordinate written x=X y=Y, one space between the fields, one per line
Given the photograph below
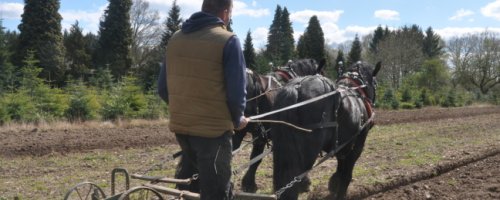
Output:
x=211 y=159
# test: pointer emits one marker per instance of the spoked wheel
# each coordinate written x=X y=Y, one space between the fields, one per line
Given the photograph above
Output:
x=141 y=193
x=85 y=191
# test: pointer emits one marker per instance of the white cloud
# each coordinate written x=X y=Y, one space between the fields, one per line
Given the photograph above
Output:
x=240 y=8
x=11 y=10
x=327 y=19
x=88 y=20
x=460 y=14
x=450 y=32
x=333 y=34
x=387 y=14
x=492 y=10
x=259 y=37
x=323 y=16
x=188 y=7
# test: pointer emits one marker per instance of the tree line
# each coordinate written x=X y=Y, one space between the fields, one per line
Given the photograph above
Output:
x=47 y=66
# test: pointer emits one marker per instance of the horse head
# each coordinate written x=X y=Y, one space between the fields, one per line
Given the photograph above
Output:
x=362 y=75
x=321 y=67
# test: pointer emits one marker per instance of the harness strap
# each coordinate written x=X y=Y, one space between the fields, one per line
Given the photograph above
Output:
x=322 y=125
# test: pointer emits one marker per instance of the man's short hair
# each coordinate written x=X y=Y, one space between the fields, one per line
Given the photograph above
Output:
x=215 y=6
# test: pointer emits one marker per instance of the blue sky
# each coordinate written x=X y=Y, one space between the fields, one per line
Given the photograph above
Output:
x=340 y=19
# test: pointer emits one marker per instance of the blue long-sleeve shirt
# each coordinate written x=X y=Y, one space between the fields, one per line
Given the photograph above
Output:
x=233 y=63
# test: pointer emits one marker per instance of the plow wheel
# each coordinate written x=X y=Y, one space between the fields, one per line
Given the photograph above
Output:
x=141 y=193
x=85 y=191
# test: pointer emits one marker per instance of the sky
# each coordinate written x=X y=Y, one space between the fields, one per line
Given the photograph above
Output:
x=340 y=20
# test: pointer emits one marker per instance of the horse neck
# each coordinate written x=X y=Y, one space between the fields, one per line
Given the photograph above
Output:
x=351 y=82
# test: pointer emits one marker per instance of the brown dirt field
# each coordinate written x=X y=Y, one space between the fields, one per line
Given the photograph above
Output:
x=43 y=141
x=478 y=180
x=468 y=172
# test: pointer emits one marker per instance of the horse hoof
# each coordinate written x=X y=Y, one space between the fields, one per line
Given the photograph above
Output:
x=303 y=186
x=249 y=188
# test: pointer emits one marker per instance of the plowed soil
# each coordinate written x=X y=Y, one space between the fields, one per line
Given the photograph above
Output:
x=42 y=141
x=475 y=176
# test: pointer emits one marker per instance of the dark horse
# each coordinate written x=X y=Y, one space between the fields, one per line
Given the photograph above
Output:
x=340 y=125
x=261 y=91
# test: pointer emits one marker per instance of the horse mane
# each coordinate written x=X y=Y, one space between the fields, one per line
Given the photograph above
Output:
x=303 y=67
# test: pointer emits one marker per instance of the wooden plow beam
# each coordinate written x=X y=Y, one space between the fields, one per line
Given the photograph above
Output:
x=195 y=196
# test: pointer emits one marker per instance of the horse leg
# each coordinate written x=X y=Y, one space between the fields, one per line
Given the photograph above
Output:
x=248 y=182
x=285 y=168
x=340 y=181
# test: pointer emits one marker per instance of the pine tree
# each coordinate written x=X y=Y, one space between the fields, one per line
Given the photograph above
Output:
x=431 y=44
x=249 y=52
x=115 y=39
x=30 y=72
x=6 y=68
x=340 y=63
x=274 y=38
x=378 y=35
x=312 y=43
x=355 y=52
x=302 y=48
x=40 y=31
x=173 y=23
x=78 y=58
x=287 y=44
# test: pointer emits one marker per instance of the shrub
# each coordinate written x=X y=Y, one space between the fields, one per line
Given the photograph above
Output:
x=406 y=96
x=83 y=104
x=425 y=97
x=450 y=99
x=407 y=105
x=19 y=107
x=51 y=103
x=124 y=100
x=389 y=100
x=419 y=104
x=4 y=115
x=113 y=106
x=155 y=107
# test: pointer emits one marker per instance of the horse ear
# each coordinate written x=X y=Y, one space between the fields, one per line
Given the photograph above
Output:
x=321 y=66
x=377 y=68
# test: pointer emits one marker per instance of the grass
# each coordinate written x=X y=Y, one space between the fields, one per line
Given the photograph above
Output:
x=390 y=151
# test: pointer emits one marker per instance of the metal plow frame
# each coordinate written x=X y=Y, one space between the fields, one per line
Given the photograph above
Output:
x=153 y=191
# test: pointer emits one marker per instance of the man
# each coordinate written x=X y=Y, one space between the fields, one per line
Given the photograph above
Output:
x=205 y=89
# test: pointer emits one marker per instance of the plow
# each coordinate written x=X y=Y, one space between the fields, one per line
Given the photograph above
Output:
x=149 y=190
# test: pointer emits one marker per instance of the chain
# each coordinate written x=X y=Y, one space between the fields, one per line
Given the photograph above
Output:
x=287 y=186
x=161 y=164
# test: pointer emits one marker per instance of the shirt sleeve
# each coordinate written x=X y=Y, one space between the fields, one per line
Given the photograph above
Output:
x=162 y=82
x=235 y=79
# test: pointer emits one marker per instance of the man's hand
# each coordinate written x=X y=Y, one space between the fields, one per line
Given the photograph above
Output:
x=243 y=122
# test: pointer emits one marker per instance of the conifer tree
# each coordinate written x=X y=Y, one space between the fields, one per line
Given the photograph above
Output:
x=312 y=43
x=40 y=31
x=6 y=68
x=378 y=35
x=355 y=52
x=78 y=58
x=30 y=71
x=274 y=38
x=302 y=50
x=113 y=50
x=431 y=46
x=172 y=24
x=287 y=44
x=340 y=63
x=249 y=52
